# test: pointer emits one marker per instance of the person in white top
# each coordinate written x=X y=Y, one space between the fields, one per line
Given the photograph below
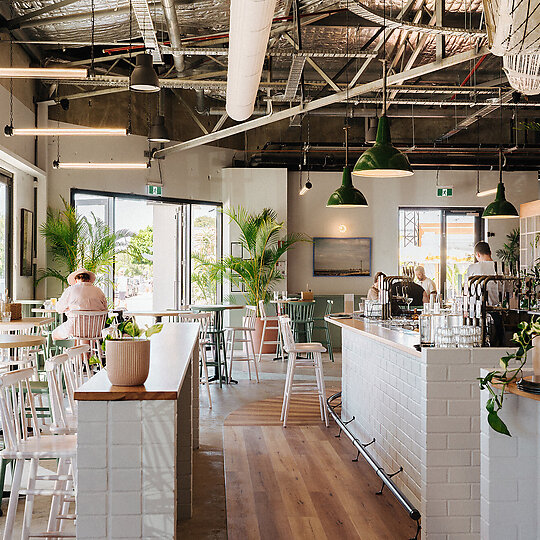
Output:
x=427 y=284
x=81 y=295
x=484 y=267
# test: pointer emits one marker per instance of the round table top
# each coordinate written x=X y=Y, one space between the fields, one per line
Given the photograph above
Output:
x=44 y=310
x=11 y=341
x=25 y=322
x=162 y=313
x=216 y=307
x=291 y=301
x=29 y=302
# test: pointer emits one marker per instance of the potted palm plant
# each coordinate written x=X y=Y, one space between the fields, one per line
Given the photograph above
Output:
x=264 y=244
x=76 y=241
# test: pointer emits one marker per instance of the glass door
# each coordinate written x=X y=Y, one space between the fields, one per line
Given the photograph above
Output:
x=5 y=233
x=442 y=241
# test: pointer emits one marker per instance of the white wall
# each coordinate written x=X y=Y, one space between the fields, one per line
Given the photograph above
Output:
x=308 y=214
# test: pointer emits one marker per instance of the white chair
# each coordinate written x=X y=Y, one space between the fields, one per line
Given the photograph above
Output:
x=78 y=356
x=87 y=327
x=244 y=335
x=313 y=359
x=204 y=320
x=18 y=414
x=60 y=375
x=269 y=324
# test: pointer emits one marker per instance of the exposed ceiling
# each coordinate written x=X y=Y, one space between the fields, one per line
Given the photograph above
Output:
x=341 y=47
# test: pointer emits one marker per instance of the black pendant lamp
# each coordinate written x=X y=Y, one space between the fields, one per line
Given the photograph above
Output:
x=500 y=208
x=158 y=131
x=144 y=78
x=383 y=159
x=346 y=196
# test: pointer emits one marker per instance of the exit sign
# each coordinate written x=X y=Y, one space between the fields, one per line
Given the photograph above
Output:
x=156 y=191
x=445 y=191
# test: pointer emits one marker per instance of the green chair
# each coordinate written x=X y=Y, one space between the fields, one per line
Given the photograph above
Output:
x=301 y=315
x=321 y=324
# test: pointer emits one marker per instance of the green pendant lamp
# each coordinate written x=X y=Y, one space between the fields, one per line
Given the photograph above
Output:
x=346 y=196
x=500 y=208
x=383 y=159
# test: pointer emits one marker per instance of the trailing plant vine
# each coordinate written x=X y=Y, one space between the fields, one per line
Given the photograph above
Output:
x=496 y=382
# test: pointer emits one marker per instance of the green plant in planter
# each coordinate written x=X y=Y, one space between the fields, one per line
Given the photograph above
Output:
x=495 y=382
x=263 y=244
x=509 y=253
x=130 y=329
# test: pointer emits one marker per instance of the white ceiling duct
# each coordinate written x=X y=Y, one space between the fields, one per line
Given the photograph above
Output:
x=248 y=38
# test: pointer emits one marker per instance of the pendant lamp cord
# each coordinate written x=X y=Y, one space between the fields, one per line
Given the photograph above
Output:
x=346 y=127
x=129 y=127
x=11 y=65
x=384 y=58
x=93 y=33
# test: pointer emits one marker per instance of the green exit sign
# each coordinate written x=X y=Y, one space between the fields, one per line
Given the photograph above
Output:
x=445 y=191
x=156 y=191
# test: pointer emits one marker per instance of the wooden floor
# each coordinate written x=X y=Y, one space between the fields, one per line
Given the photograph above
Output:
x=300 y=482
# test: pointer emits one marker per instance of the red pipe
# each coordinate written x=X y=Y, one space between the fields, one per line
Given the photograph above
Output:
x=477 y=65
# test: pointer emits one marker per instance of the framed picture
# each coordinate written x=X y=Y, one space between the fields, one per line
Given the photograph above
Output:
x=341 y=256
x=27 y=241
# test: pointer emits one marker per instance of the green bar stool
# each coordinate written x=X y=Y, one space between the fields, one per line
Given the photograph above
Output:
x=321 y=324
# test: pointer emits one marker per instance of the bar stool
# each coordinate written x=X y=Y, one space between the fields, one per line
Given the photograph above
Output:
x=87 y=327
x=243 y=335
x=267 y=320
x=313 y=360
x=321 y=324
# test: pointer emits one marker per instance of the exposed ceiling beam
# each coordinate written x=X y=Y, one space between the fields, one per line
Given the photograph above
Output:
x=141 y=9
x=15 y=23
x=483 y=112
x=190 y=111
x=327 y=100
x=220 y=122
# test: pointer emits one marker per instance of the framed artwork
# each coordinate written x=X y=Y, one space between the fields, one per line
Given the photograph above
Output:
x=341 y=256
x=27 y=241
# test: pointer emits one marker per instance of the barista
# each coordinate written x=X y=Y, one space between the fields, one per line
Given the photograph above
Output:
x=427 y=283
x=373 y=292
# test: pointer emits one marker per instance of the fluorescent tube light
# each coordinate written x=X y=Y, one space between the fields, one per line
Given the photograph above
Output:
x=9 y=131
x=306 y=187
x=43 y=73
x=105 y=165
x=486 y=192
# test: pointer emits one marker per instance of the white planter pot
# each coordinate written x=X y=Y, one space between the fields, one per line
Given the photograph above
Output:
x=128 y=361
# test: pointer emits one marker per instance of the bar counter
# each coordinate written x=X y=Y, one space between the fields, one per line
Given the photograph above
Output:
x=423 y=409
x=135 y=444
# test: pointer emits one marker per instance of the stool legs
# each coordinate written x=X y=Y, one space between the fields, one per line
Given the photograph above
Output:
x=202 y=354
x=246 y=338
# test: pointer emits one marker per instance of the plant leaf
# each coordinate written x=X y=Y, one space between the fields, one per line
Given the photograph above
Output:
x=497 y=424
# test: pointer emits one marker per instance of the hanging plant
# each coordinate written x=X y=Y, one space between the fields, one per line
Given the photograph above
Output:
x=496 y=382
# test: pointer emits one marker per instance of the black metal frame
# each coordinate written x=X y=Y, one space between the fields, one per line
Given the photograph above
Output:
x=7 y=178
x=386 y=478
x=445 y=212
x=167 y=200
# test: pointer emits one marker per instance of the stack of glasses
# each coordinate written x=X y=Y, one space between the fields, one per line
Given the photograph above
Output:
x=458 y=336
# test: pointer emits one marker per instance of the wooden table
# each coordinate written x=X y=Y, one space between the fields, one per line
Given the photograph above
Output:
x=149 y=431
x=10 y=341
x=158 y=315
x=24 y=323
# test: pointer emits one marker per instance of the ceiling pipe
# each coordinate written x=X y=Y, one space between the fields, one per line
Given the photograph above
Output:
x=171 y=20
x=250 y=24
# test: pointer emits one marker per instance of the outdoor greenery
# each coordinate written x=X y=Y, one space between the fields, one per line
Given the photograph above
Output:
x=137 y=258
x=263 y=244
x=203 y=279
x=509 y=253
x=75 y=241
x=511 y=365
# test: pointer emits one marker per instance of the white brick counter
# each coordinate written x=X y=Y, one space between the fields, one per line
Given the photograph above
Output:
x=134 y=445
x=510 y=472
x=423 y=411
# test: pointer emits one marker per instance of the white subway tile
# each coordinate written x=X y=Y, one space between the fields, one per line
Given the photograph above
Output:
x=125 y=479
x=125 y=433
x=129 y=526
x=90 y=504
x=125 y=411
x=125 y=457
x=92 y=457
x=92 y=434
x=92 y=480
x=125 y=503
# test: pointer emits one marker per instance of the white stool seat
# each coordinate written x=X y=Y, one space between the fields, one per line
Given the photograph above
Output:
x=314 y=361
x=46 y=446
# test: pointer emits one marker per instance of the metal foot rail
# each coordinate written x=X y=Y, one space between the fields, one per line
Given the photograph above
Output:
x=386 y=478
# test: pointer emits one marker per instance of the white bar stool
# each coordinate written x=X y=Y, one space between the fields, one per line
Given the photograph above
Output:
x=313 y=350
x=269 y=323
x=244 y=335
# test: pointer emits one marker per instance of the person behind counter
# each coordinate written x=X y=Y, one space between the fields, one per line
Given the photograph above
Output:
x=485 y=266
x=373 y=292
x=427 y=284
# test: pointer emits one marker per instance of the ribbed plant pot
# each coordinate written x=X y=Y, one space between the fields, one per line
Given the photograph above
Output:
x=535 y=353
x=128 y=361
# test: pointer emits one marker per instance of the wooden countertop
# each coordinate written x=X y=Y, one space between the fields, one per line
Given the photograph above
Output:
x=399 y=340
x=170 y=353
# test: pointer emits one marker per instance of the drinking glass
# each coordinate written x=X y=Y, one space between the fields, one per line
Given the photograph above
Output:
x=6 y=316
x=276 y=296
x=444 y=337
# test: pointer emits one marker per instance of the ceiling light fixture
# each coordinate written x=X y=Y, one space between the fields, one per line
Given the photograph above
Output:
x=158 y=131
x=43 y=73
x=486 y=192
x=383 y=159
x=106 y=165
x=306 y=187
x=500 y=208
x=144 y=78
x=11 y=131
